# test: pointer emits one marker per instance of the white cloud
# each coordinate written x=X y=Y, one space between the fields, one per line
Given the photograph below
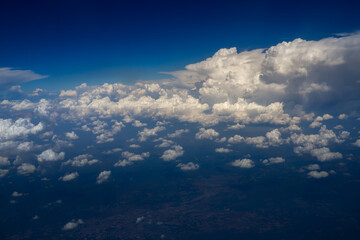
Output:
x=50 y=156
x=3 y=172
x=313 y=167
x=274 y=160
x=72 y=224
x=68 y=93
x=137 y=123
x=146 y=133
x=324 y=154
x=188 y=166
x=236 y=139
x=316 y=174
x=69 y=177
x=17 y=194
x=172 y=154
x=71 y=135
x=81 y=160
x=4 y=161
x=222 y=150
x=342 y=116
x=103 y=177
x=10 y=130
x=178 y=133
x=357 y=143
x=25 y=169
x=206 y=134
x=243 y=163
x=9 y=76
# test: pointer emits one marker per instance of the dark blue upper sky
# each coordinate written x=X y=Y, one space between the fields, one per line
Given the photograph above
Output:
x=109 y=41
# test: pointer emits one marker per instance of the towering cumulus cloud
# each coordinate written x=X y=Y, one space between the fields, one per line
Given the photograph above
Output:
x=291 y=90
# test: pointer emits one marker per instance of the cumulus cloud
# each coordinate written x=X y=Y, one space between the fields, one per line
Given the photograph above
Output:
x=69 y=177
x=188 y=166
x=71 y=135
x=222 y=150
x=273 y=160
x=4 y=161
x=10 y=130
x=313 y=167
x=50 y=156
x=130 y=157
x=81 y=160
x=9 y=76
x=172 y=154
x=3 y=172
x=17 y=194
x=72 y=224
x=25 y=169
x=146 y=133
x=357 y=143
x=206 y=134
x=243 y=163
x=68 y=93
x=316 y=174
x=103 y=177
x=324 y=154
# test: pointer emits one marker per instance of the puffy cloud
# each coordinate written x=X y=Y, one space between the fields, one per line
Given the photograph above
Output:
x=50 y=156
x=3 y=172
x=222 y=150
x=313 y=167
x=172 y=154
x=25 y=169
x=81 y=160
x=71 y=135
x=10 y=130
x=236 y=139
x=137 y=123
x=324 y=154
x=274 y=160
x=316 y=174
x=9 y=76
x=103 y=177
x=68 y=93
x=130 y=157
x=17 y=194
x=69 y=177
x=206 y=134
x=188 y=166
x=72 y=224
x=243 y=163
x=357 y=143
x=4 y=161
x=342 y=116
x=146 y=133
x=178 y=133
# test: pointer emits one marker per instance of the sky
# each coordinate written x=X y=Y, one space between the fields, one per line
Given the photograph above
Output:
x=121 y=41
x=179 y=120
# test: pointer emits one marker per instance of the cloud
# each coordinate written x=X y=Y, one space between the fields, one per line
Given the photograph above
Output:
x=324 y=154
x=188 y=166
x=10 y=130
x=243 y=163
x=172 y=154
x=81 y=160
x=357 y=143
x=71 y=135
x=68 y=93
x=3 y=172
x=316 y=174
x=273 y=160
x=69 y=177
x=25 y=169
x=17 y=194
x=72 y=224
x=50 y=156
x=206 y=134
x=130 y=157
x=4 y=161
x=146 y=133
x=313 y=167
x=103 y=177
x=222 y=150
x=9 y=76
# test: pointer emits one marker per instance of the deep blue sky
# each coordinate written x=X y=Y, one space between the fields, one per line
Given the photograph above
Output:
x=109 y=41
